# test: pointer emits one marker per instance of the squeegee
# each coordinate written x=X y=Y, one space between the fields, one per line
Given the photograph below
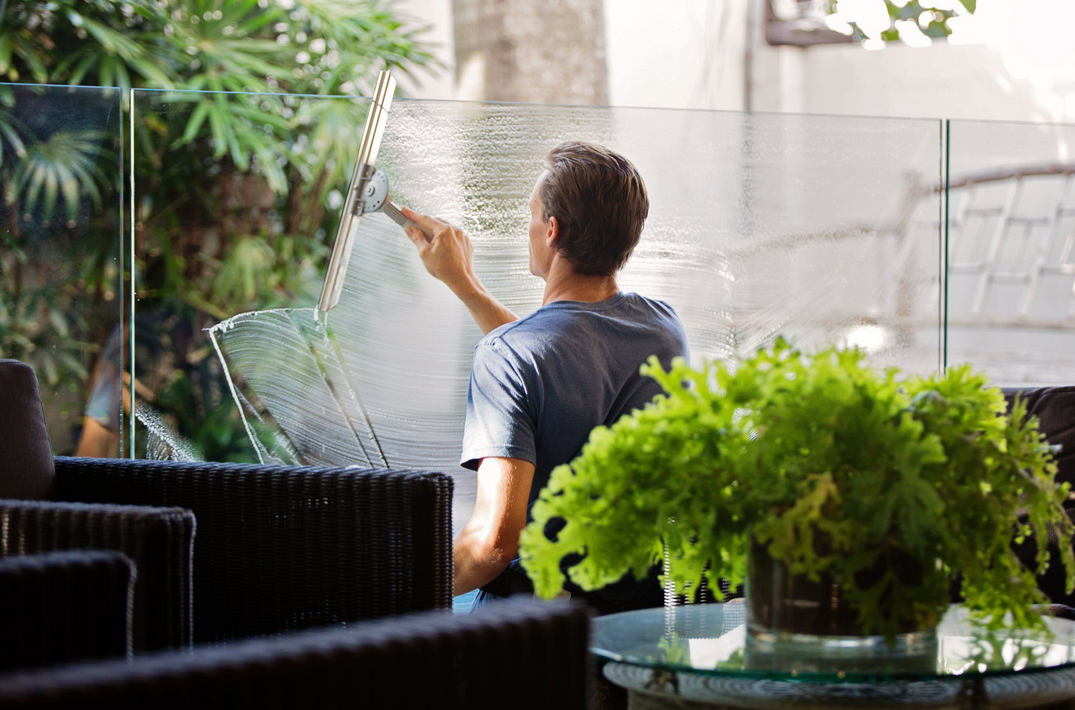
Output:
x=368 y=192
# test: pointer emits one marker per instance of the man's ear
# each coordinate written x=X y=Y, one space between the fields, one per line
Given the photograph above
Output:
x=552 y=234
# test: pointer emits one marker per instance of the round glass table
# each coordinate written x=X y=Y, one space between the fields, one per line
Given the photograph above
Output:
x=701 y=656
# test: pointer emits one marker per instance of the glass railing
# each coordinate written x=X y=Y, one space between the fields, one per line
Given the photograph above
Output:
x=61 y=258
x=813 y=228
x=235 y=202
x=1011 y=268
x=928 y=243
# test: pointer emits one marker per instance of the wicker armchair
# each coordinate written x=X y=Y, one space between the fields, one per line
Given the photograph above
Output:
x=281 y=548
x=523 y=655
x=277 y=548
x=64 y=606
x=157 y=540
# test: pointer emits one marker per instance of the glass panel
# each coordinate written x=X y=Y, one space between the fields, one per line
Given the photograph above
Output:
x=236 y=196
x=1011 y=270
x=819 y=229
x=61 y=296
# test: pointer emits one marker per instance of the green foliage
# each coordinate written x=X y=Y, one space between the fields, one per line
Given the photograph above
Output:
x=38 y=325
x=64 y=163
x=306 y=46
x=932 y=21
x=836 y=468
x=233 y=188
x=49 y=177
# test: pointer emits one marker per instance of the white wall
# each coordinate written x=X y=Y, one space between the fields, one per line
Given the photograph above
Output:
x=677 y=55
x=1020 y=67
x=1017 y=62
x=437 y=14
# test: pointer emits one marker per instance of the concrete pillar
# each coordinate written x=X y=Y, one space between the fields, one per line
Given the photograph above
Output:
x=521 y=50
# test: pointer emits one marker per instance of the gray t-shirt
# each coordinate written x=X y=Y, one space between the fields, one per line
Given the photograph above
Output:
x=539 y=385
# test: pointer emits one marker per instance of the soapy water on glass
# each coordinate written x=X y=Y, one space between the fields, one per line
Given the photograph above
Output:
x=744 y=240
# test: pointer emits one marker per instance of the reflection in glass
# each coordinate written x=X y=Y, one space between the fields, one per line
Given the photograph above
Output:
x=712 y=639
x=60 y=258
x=234 y=195
x=1011 y=305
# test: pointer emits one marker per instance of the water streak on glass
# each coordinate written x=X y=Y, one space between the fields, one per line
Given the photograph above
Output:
x=162 y=442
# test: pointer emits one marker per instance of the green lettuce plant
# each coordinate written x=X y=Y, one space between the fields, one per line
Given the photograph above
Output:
x=835 y=467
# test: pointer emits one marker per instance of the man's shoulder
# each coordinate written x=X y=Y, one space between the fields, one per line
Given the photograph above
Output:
x=535 y=327
x=512 y=333
x=558 y=323
x=511 y=345
x=660 y=307
x=653 y=314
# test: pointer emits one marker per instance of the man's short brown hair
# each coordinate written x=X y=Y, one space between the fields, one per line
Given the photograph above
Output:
x=600 y=202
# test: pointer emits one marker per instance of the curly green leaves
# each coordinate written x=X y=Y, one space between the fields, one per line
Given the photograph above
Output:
x=619 y=495
x=890 y=486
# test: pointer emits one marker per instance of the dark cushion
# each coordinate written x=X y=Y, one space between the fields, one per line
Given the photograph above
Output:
x=1055 y=409
x=57 y=607
x=27 y=471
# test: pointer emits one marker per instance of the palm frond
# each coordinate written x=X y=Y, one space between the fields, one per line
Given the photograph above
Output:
x=64 y=165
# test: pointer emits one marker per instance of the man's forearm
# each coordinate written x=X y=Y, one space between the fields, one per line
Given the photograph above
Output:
x=488 y=312
x=473 y=564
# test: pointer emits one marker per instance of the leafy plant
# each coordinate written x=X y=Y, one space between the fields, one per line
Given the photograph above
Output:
x=63 y=164
x=837 y=469
x=235 y=158
x=931 y=17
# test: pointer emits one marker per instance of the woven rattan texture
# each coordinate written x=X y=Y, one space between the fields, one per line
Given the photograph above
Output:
x=285 y=548
x=64 y=606
x=157 y=540
x=520 y=655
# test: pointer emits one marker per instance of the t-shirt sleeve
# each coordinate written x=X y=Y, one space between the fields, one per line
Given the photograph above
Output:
x=500 y=421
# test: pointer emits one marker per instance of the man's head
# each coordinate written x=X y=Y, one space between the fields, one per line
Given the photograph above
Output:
x=590 y=203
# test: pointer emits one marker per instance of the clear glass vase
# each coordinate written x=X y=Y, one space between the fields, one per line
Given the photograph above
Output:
x=791 y=614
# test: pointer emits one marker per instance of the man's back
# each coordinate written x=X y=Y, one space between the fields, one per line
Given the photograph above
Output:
x=541 y=384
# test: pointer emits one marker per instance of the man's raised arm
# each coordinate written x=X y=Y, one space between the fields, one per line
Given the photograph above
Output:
x=449 y=258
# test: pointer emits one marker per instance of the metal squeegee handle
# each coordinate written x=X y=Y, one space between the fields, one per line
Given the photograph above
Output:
x=367 y=154
x=401 y=219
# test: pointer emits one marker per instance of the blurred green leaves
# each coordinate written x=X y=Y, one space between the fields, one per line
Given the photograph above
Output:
x=245 y=46
x=63 y=164
x=231 y=198
x=306 y=46
x=931 y=18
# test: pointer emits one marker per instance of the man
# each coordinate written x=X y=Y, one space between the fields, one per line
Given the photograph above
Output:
x=539 y=384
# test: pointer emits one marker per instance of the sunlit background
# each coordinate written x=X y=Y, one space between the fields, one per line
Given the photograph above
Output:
x=236 y=196
x=1009 y=60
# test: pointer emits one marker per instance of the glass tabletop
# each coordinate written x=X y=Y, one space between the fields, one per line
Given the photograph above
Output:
x=711 y=639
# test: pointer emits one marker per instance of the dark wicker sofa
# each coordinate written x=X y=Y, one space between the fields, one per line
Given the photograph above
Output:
x=522 y=655
x=64 y=606
x=281 y=548
x=224 y=551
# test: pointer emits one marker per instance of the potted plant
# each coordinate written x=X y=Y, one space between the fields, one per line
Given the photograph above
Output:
x=849 y=499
